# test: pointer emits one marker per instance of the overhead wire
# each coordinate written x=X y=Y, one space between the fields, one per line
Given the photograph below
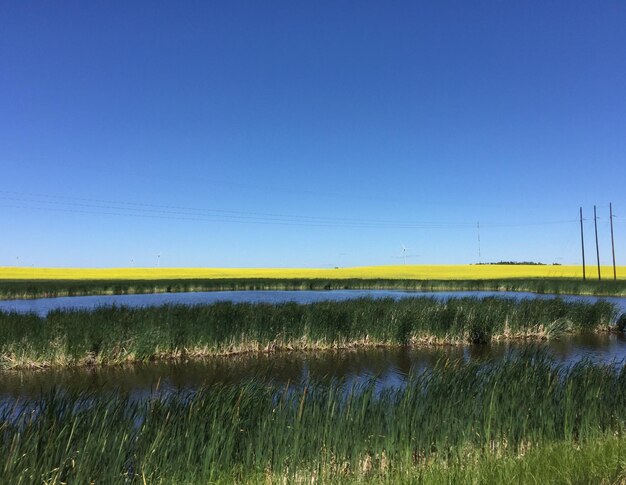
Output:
x=122 y=208
x=213 y=210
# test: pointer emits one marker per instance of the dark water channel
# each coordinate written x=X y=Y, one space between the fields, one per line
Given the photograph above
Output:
x=389 y=367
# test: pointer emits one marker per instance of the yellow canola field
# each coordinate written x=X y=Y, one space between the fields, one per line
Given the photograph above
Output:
x=440 y=272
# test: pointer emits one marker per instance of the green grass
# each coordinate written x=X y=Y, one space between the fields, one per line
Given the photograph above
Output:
x=518 y=420
x=117 y=335
x=10 y=289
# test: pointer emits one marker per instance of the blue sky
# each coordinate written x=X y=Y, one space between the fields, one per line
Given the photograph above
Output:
x=309 y=133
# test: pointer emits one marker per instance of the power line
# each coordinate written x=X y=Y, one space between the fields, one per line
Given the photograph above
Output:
x=217 y=219
x=219 y=212
x=228 y=220
x=140 y=206
x=221 y=215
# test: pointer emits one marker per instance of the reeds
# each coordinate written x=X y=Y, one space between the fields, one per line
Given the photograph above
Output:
x=119 y=334
x=464 y=422
x=11 y=289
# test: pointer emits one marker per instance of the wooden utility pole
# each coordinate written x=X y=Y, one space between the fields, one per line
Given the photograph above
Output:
x=612 y=242
x=595 y=223
x=478 y=230
x=582 y=242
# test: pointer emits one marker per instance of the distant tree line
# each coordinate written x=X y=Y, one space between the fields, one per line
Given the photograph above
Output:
x=531 y=263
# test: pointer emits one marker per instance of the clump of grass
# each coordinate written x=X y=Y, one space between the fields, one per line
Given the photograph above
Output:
x=455 y=420
x=119 y=334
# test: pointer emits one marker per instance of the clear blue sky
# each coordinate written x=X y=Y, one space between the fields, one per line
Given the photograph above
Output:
x=330 y=132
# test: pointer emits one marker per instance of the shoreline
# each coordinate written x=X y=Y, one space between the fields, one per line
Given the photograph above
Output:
x=35 y=289
x=194 y=355
x=467 y=420
x=123 y=334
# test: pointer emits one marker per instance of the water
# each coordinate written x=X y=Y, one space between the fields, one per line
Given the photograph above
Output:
x=389 y=367
x=42 y=306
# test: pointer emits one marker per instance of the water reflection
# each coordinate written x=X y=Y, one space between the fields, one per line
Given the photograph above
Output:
x=42 y=306
x=388 y=366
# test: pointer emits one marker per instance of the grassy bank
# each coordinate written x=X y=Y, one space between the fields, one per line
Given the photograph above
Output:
x=117 y=335
x=11 y=289
x=515 y=421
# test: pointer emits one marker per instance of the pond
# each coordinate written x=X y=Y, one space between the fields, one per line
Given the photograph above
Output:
x=389 y=367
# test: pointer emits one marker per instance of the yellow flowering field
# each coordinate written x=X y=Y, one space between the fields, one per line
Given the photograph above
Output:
x=418 y=272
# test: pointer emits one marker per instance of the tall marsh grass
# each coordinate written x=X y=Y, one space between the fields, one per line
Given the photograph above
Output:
x=119 y=334
x=11 y=289
x=475 y=422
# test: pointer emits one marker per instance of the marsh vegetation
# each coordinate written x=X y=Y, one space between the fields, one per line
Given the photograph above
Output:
x=115 y=335
x=11 y=289
x=516 y=419
x=487 y=420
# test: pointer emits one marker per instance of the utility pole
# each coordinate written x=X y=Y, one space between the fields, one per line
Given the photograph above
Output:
x=478 y=230
x=612 y=242
x=582 y=242
x=595 y=223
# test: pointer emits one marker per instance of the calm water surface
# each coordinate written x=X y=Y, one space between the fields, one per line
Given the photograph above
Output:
x=42 y=306
x=389 y=367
